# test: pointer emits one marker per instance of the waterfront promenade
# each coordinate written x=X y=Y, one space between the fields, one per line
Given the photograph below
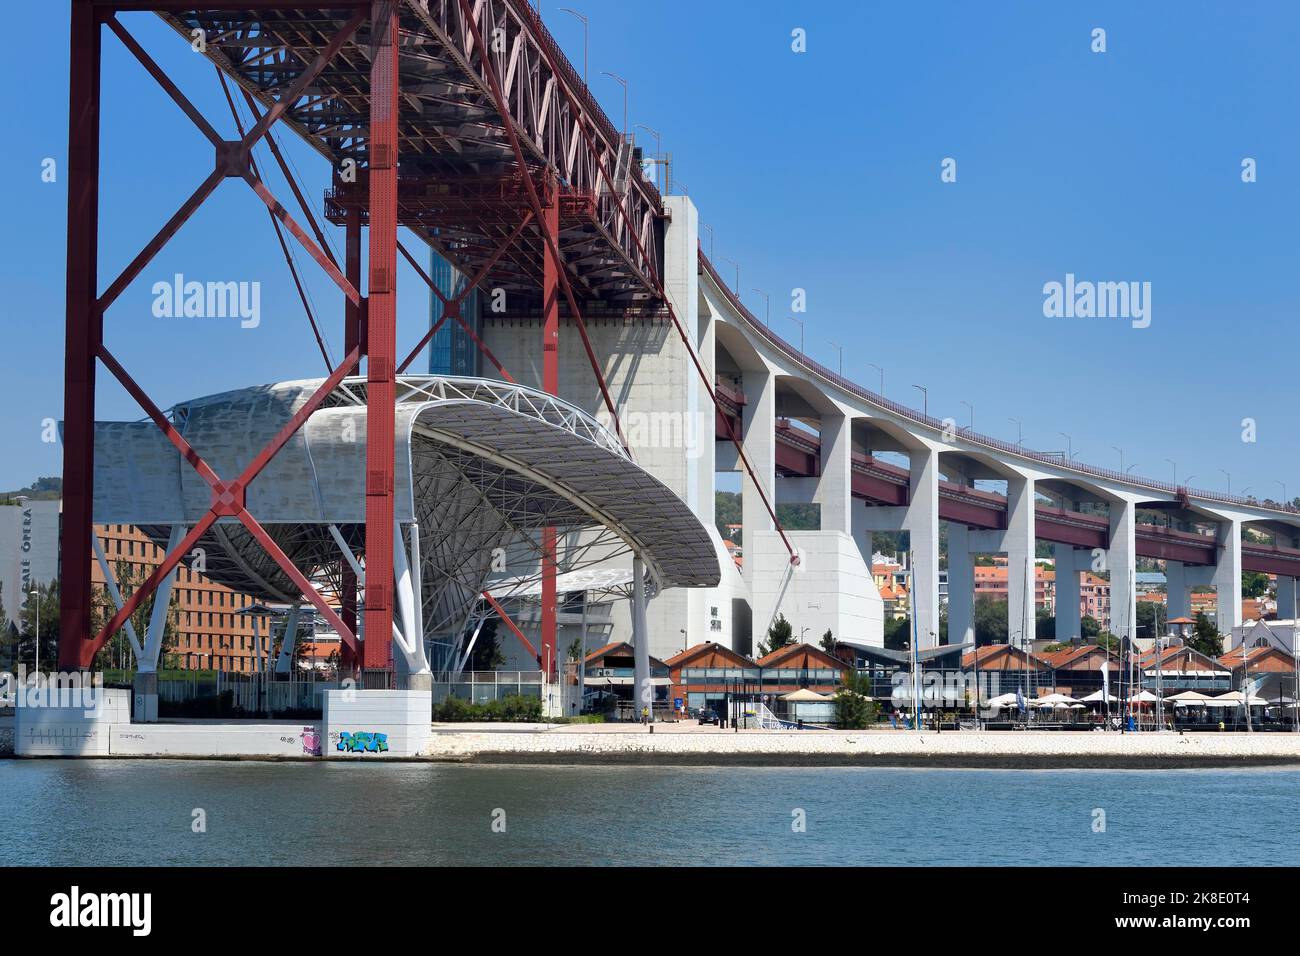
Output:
x=691 y=744
x=688 y=744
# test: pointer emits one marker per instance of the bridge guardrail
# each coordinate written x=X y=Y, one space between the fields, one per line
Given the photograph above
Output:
x=1056 y=459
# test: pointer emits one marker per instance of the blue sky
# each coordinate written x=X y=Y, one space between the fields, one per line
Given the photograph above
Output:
x=817 y=170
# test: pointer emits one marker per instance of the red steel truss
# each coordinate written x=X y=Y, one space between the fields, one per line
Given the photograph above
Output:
x=508 y=168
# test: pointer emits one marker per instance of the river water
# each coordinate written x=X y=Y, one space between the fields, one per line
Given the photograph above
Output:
x=112 y=812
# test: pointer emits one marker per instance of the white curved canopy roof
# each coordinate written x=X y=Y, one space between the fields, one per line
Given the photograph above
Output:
x=479 y=464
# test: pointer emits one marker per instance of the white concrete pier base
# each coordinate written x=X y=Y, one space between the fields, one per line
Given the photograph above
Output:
x=144 y=708
x=376 y=723
x=49 y=724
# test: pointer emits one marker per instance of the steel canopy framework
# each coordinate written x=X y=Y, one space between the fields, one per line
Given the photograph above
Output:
x=482 y=468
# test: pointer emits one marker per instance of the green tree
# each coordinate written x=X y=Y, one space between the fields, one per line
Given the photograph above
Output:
x=1044 y=624
x=41 y=608
x=1089 y=626
x=1254 y=585
x=1152 y=619
x=779 y=635
x=828 y=642
x=854 y=708
x=1206 y=637
x=990 y=621
x=898 y=631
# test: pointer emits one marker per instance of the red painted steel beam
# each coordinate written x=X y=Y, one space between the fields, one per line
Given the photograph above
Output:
x=551 y=241
x=84 y=333
x=501 y=613
x=381 y=333
x=452 y=305
x=551 y=268
x=352 y=337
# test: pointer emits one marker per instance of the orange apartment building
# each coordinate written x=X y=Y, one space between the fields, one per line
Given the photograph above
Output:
x=211 y=633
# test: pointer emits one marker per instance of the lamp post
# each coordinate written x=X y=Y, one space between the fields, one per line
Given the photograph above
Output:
x=972 y=415
x=1069 y=447
x=1175 y=464
x=1020 y=431
x=1121 y=457
x=925 y=400
x=1229 y=474
x=710 y=228
x=881 y=393
x=800 y=323
x=736 y=287
x=655 y=133
x=839 y=348
x=575 y=13
x=618 y=79
x=767 y=306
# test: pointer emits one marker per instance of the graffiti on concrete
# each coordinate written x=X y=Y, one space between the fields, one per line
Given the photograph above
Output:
x=310 y=742
x=361 y=742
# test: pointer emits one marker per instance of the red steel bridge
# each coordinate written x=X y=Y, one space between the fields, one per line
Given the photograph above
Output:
x=463 y=122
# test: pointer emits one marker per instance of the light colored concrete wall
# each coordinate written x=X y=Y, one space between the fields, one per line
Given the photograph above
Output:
x=70 y=731
x=403 y=716
x=830 y=588
x=216 y=740
x=961 y=585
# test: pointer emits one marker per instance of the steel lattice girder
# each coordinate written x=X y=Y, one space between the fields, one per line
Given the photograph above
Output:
x=459 y=174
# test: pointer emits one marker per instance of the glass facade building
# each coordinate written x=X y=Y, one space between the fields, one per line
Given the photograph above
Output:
x=451 y=350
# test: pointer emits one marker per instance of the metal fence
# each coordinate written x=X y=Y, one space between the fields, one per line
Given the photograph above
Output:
x=480 y=687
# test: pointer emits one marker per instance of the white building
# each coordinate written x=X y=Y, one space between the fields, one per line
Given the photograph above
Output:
x=29 y=551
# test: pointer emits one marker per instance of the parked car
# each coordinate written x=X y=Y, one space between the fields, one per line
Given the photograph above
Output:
x=707 y=716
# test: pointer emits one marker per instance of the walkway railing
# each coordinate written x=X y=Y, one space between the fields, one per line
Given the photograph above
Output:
x=1055 y=459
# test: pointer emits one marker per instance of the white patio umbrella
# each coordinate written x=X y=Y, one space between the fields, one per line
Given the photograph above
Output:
x=1145 y=697
x=1234 y=698
x=1096 y=697
x=1002 y=701
x=1188 y=698
x=1056 y=700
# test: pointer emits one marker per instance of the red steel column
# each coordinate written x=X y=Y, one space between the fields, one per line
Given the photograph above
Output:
x=351 y=338
x=84 y=334
x=381 y=334
x=550 y=224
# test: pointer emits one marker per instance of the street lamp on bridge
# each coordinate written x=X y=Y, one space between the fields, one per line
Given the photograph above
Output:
x=1229 y=474
x=736 y=287
x=972 y=415
x=839 y=348
x=767 y=306
x=1175 y=464
x=658 y=152
x=575 y=13
x=1121 y=457
x=1020 y=431
x=925 y=400
x=623 y=82
x=800 y=321
x=1069 y=448
x=881 y=393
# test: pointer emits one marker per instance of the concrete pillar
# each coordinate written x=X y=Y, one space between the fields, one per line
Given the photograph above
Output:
x=1286 y=598
x=923 y=530
x=758 y=436
x=1227 y=576
x=1021 y=616
x=961 y=586
x=1069 y=618
x=284 y=662
x=643 y=691
x=1121 y=561
x=1178 y=593
x=834 y=486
